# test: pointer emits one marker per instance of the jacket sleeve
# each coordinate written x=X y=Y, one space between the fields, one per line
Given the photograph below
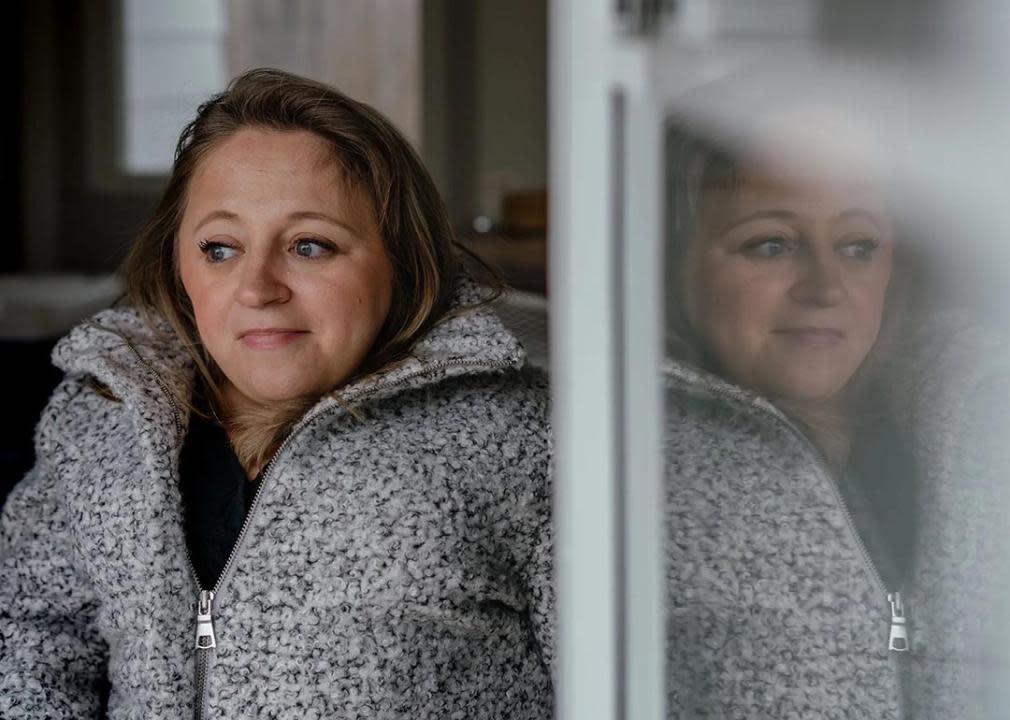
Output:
x=968 y=531
x=52 y=660
x=538 y=576
x=529 y=459
x=960 y=416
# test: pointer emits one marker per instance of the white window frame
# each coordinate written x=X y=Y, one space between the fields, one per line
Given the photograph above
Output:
x=605 y=245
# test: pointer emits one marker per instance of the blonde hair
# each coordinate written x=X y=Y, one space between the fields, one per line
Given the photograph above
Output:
x=376 y=160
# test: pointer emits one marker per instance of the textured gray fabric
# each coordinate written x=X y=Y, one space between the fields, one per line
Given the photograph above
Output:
x=396 y=564
x=774 y=611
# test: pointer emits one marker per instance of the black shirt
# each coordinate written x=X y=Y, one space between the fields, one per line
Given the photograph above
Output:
x=216 y=496
x=880 y=490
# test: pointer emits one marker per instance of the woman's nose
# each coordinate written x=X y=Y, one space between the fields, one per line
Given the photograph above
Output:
x=261 y=282
x=820 y=283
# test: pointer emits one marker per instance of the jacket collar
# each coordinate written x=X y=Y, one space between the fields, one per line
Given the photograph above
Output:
x=697 y=381
x=147 y=368
x=470 y=340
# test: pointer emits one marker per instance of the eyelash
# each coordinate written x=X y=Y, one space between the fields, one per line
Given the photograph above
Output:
x=753 y=246
x=208 y=246
x=325 y=245
x=866 y=246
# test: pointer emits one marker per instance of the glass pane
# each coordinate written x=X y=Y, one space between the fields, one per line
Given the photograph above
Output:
x=175 y=55
x=837 y=377
x=174 y=58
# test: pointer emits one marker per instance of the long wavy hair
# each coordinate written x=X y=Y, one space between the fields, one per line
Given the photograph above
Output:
x=376 y=160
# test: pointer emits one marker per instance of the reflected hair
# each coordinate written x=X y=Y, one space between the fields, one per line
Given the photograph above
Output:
x=375 y=160
x=695 y=164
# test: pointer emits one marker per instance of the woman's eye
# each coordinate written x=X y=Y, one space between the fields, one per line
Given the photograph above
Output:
x=312 y=248
x=767 y=247
x=217 y=252
x=860 y=249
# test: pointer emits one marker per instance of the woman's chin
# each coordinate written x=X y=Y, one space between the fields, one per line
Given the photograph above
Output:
x=270 y=394
x=809 y=390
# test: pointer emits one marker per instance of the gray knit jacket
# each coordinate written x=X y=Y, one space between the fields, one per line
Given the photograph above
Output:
x=395 y=564
x=775 y=608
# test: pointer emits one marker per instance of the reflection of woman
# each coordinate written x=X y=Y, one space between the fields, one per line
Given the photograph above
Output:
x=834 y=526
x=312 y=400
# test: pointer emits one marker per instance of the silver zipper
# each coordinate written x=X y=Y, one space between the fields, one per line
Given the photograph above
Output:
x=898 y=640
x=206 y=641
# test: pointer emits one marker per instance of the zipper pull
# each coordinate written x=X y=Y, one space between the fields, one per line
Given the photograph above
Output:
x=898 y=640
x=204 y=622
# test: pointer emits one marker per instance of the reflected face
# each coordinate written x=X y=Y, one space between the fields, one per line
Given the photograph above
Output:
x=285 y=268
x=786 y=280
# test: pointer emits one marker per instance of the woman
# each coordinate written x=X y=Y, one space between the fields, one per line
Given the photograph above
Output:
x=305 y=473
x=834 y=503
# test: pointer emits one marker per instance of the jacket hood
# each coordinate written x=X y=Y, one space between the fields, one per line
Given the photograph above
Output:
x=146 y=365
x=940 y=361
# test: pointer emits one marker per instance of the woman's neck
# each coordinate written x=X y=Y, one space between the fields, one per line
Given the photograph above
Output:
x=829 y=427
x=256 y=430
x=835 y=444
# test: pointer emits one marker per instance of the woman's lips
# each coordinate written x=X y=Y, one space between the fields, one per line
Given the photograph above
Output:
x=270 y=338
x=812 y=336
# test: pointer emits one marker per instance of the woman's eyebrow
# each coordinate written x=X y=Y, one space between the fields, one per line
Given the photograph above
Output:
x=314 y=215
x=215 y=215
x=861 y=214
x=297 y=215
x=759 y=215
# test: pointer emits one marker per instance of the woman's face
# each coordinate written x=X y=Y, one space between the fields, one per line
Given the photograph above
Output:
x=786 y=279
x=283 y=262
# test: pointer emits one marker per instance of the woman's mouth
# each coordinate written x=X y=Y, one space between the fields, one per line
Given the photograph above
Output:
x=812 y=336
x=270 y=338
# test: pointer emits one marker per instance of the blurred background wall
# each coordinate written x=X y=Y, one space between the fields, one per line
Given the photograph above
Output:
x=104 y=87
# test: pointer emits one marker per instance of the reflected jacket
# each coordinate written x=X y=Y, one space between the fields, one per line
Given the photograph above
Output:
x=395 y=563
x=776 y=609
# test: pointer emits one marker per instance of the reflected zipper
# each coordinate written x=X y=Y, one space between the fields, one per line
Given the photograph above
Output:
x=206 y=641
x=898 y=639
